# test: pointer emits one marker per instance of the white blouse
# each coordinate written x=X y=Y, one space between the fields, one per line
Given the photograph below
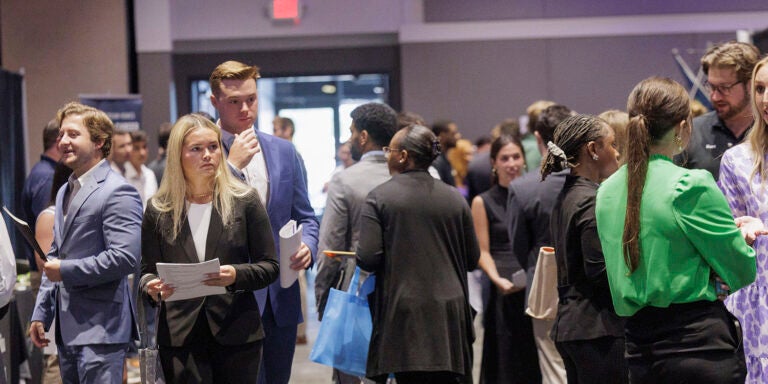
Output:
x=199 y=217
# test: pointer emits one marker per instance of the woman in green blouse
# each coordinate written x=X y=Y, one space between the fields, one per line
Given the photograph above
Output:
x=666 y=232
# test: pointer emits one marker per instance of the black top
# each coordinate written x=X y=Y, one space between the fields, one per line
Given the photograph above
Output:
x=34 y=199
x=495 y=202
x=585 y=310
x=710 y=138
x=444 y=169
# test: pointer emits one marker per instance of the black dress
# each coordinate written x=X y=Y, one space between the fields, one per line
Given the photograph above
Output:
x=509 y=349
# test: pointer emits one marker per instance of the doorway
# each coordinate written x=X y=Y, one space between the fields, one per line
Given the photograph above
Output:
x=319 y=107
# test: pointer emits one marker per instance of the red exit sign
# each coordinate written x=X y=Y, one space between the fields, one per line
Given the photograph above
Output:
x=286 y=10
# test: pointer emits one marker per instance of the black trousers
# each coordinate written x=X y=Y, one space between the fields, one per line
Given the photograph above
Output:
x=696 y=342
x=595 y=361
x=207 y=361
x=423 y=377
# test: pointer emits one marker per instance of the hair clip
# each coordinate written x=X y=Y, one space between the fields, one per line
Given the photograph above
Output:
x=558 y=154
x=435 y=147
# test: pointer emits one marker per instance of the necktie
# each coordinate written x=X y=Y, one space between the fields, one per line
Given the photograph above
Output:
x=74 y=187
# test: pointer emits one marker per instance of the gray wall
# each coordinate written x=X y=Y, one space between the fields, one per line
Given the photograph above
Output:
x=478 y=84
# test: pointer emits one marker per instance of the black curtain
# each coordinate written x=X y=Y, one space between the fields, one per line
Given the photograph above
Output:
x=12 y=169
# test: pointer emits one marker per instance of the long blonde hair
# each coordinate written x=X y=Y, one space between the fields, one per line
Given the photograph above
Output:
x=170 y=198
x=758 y=135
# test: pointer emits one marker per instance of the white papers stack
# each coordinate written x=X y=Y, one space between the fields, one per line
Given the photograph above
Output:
x=290 y=242
x=187 y=279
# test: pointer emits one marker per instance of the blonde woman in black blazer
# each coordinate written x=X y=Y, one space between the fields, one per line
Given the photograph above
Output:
x=213 y=338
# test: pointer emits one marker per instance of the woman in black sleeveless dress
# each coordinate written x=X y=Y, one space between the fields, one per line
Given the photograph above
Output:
x=509 y=350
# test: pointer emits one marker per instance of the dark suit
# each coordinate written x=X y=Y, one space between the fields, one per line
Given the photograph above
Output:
x=287 y=199
x=479 y=174
x=220 y=321
x=444 y=169
x=529 y=207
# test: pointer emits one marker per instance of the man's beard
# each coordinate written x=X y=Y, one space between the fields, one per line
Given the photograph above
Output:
x=356 y=153
x=735 y=110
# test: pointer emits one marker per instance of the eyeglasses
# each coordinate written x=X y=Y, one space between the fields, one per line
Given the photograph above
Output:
x=389 y=150
x=724 y=90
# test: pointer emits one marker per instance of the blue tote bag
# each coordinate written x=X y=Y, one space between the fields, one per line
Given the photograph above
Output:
x=345 y=332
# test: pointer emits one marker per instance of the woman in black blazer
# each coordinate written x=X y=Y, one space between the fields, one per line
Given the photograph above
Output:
x=416 y=234
x=202 y=213
x=587 y=332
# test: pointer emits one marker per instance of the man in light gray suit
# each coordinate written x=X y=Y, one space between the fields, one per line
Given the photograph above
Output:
x=373 y=126
x=96 y=245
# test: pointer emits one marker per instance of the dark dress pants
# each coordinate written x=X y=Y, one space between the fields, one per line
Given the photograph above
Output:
x=697 y=342
x=279 y=348
x=207 y=361
x=596 y=361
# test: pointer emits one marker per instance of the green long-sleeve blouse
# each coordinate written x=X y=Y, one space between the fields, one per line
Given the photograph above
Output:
x=686 y=232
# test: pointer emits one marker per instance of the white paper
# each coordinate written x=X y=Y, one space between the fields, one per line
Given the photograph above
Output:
x=187 y=279
x=290 y=242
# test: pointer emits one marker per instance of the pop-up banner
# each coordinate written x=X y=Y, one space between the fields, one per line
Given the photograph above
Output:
x=124 y=110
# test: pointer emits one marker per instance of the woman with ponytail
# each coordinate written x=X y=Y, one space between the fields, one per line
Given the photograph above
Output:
x=416 y=234
x=666 y=232
x=744 y=181
x=587 y=332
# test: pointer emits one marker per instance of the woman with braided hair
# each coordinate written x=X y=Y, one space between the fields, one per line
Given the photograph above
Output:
x=666 y=232
x=587 y=332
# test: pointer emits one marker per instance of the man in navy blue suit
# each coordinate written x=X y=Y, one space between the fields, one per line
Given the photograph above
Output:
x=272 y=166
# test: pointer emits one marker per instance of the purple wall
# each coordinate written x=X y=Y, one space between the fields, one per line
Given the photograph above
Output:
x=477 y=10
x=478 y=84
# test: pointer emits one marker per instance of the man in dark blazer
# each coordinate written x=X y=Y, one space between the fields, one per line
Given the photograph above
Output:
x=529 y=207
x=272 y=166
x=96 y=245
x=448 y=134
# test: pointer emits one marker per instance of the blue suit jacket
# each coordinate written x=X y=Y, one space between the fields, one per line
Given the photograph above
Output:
x=99 y=245
x=287 y=200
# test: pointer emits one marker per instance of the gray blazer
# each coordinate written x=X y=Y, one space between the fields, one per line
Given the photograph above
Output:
x=99 y=246
x=339 y=230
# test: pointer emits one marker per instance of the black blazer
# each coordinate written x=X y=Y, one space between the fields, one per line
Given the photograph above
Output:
x=585 y=311
x=529 y=206
x=246 y=243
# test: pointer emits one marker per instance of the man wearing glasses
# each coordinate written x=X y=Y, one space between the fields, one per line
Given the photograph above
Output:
x=728 y=67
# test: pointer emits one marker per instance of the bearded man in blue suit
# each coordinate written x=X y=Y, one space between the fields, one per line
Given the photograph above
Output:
x=272 y=166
